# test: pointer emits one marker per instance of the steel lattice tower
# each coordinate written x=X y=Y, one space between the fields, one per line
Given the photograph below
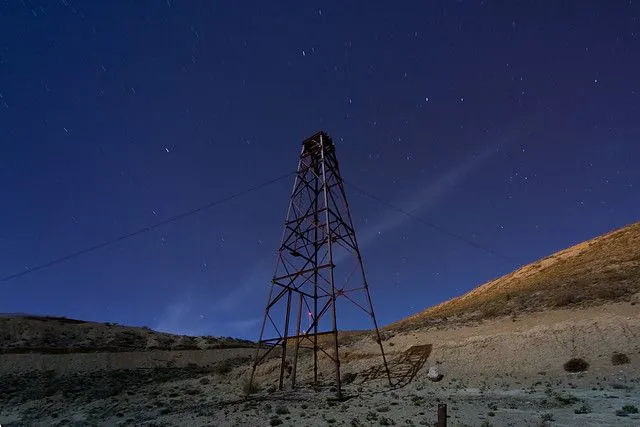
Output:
x=318 y=268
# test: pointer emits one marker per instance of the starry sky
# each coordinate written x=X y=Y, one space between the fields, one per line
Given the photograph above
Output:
x=511 y=125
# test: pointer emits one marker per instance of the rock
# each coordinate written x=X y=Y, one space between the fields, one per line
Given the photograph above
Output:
x=434 y=374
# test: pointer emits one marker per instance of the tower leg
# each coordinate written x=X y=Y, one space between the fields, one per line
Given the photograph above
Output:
x=283 y=362
x=294 y=368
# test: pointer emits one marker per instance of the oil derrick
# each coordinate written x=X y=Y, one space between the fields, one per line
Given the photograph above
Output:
x=319 y=270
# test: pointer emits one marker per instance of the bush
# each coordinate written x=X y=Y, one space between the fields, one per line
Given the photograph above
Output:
x=226 y=366
x=584 y=409
x=619 y=359
x=349 y=377
x=565 y=298
x=576 y=365
x=250 y=387
x=547 y=417
x=566 y=400
x=491 y=310
x=630 y=409
x=223 y=368
x=282 y=410
x=612 y=292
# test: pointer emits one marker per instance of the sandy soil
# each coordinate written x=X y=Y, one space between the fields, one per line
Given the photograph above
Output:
x=506 y=371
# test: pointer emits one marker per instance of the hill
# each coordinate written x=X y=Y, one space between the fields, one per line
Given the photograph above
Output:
x=600 y=270
x=21 y=333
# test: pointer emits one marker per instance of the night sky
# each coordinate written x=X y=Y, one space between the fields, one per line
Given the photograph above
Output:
x=513 y=125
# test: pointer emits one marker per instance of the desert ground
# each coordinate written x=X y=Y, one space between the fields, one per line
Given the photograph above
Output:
x=556 y=342
x=504 y=371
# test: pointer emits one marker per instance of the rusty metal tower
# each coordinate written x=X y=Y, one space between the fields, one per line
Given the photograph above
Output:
x=319 y=269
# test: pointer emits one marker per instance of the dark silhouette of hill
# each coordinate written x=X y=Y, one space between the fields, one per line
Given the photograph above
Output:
x=21 y=333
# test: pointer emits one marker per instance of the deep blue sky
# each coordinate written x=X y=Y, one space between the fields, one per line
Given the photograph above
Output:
x=513 y=124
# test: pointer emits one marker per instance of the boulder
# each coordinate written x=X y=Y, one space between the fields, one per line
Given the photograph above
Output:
x=434 y=374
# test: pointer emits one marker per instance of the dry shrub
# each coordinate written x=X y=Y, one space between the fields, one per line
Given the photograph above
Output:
x=620 y=359
x=565 y=298
x=491 y=310
x=349 y=377
x=576 y=365
x=250 y=387
x=612 y=291
x=223 y=368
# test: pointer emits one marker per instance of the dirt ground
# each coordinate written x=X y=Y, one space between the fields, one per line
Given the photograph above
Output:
x=502 y=372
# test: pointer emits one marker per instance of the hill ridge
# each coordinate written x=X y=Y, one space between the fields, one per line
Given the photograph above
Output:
x=602 y=269
x=26 y=333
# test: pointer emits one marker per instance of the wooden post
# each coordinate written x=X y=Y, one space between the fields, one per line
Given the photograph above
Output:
x=442 y=415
